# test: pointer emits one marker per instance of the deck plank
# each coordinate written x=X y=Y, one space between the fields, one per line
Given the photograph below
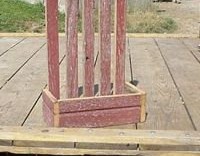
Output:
x=7 y=43
x=192 y=44
x=186 y=72
x=20 y=93
x=72 y=48
x=18 y=56
x=149 y=69
x=164 y=106
x=88 y=47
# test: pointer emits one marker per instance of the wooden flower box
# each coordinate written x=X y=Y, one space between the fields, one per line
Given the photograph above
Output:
x=125 y=105
x=99 y=111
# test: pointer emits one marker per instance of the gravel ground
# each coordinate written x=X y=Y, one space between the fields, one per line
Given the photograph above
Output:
x=186 y=14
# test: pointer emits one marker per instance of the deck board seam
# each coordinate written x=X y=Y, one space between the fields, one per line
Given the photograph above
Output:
x=35 y=103
x=1 y=87
x=191 y=51
x=179 y=92
x=13 y=46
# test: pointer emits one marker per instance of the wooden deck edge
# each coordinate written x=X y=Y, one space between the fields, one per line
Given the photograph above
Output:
x=130 y=35
x=100 y=135
x=73 y=151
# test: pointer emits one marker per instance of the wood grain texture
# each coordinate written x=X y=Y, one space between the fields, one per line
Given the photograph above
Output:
x=35 y=118
x=19 y=95
x=101 y=118
x=48 y=99
x=88 y=47
x=120 y=45
x=100 y=135
x=73 y=151
x=50 y=109
x=48 y=115
x=105 y=46
x=17 y=57
x=53 y=47
x=186 y=72
x=164 y=107
x=7 y=43
x=99 y=103
x=193 y=45
x=72 y=47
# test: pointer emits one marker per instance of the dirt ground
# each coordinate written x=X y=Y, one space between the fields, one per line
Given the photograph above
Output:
x=186 y=14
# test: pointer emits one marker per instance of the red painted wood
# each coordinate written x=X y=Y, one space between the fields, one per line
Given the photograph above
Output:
x=120 y=46
x=48 y=99
x=101 y=118
x=99 y=103
x=105 y=47
x=72 y=48
x=48 y=115
x=88 y=47
x=52 y=43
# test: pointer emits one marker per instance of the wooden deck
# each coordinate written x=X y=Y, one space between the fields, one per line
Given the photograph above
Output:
x=168 y=69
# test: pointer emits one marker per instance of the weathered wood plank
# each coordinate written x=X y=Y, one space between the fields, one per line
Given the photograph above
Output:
x=25 y=92
x=102 y=102
x=17 y=57
x=73 y=151
x=36 y=116
x=164 y=106
x=120 y=45
x=53 y=47
x=193 y=45
x=105 y=46
x=18 y=96
x=88 y=47
x=101 y=118
x=72 y=47
x=47 y=115
x=100 y=135
x=48 y=98
x=7 y=43
x=186 y=72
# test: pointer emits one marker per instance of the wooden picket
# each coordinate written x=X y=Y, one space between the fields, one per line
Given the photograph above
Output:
x=88 y=47
x=111 y=106
x=120 y=45
x=72 y=47
x=105 y=46
x=52 y=42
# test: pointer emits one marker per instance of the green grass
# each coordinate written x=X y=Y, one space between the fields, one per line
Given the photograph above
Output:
x=149 y=22
x=19 y=16
x=143 y=18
